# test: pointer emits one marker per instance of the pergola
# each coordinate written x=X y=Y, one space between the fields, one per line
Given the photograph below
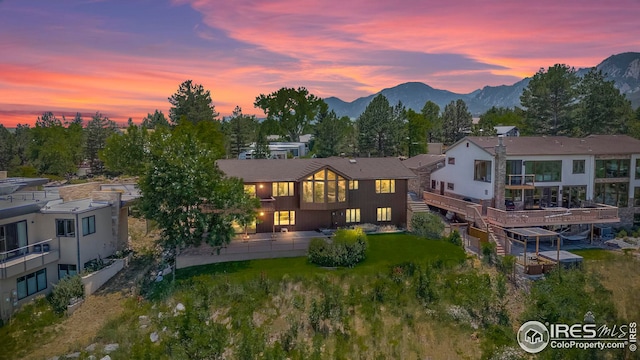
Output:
x=534 y=232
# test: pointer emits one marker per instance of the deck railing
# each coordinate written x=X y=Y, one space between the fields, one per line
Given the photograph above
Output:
x=553 y=216
x=25 y=258
x=521 y=179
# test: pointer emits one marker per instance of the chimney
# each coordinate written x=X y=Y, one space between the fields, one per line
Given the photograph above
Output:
x=500 y=166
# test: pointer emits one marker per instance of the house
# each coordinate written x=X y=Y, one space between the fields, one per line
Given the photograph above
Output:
x=422 y=166
x=507 y=130
x=546 y=173
x=308 y=194
x=48 y=234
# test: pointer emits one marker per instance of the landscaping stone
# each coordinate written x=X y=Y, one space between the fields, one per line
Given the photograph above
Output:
x=111 y=347
x=91 y=348
x=180 y=307
x=107 y=357
x=154 y=337
x=74 y=355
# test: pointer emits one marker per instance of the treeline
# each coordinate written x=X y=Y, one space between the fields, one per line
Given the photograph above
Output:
x=556 y=102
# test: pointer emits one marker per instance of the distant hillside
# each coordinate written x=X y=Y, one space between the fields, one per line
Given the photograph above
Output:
x=623 y=68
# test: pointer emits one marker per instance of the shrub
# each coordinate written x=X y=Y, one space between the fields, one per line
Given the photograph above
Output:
x=488 y=252
x=455 y=238
x=622 y=233
x=348 y=248
x=427 y=225
x=66 y=289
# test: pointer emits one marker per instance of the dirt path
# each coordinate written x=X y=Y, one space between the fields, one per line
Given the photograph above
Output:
x=78 y=330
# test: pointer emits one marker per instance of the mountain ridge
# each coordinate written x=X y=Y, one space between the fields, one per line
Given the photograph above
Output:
x=623 y=69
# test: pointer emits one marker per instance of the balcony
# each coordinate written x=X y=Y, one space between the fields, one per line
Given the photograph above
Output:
x=520 y=181
x=470 y=211
x=27 y=258
x=597 y=214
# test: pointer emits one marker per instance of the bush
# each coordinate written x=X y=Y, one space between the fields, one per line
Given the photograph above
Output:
x=455 y=238
x=348 y=248
x=66 y=289
x=427 y=225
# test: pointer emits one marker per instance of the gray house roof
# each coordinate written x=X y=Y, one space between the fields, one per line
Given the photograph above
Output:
x=559 y=145
x=269 y=170
x=418 y=161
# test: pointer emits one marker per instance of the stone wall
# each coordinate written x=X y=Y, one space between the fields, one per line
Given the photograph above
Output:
x=422 y=181
x=626 y=216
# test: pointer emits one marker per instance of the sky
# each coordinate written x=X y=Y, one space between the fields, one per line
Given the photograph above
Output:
x=125 y=58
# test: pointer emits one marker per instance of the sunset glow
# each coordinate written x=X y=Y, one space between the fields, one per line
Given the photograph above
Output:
x=124 y=59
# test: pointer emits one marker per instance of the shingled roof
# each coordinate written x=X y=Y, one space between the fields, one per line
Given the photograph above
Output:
x=560 y=145
x=421 y=160
x=269 y=170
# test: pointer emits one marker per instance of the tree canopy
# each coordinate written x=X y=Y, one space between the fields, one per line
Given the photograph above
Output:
x=431 y=113
x=290 y=111
x=191 y=102
x=381 y=128
x=181 y=178
x=98 y=130
x=331 y=134
x=155 y=120
x=456 y=122
x=125 y=153
x=240 y=131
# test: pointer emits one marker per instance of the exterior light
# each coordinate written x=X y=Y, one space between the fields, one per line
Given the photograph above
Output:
x=261 y=214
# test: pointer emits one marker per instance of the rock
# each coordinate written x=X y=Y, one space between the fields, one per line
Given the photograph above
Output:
x=91 y=348
x=154 y=337
x=74 y=355
x=159 y=278
x=107 y=357
x=111 y=347
x=92 y=357
x=166 y=271
x=54 y=358
x=180 y=307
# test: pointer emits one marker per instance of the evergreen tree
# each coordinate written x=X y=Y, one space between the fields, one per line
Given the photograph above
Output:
x=417 y=131
x=191 y=102
x=155 y=120
x=374 y=127
x=602 y=109
x=456 y=122
x=549 y=100
x=98 y=130
x=240 y=132
x=331 y=135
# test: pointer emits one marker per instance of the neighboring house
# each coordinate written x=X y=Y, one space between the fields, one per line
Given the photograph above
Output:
x=507 y=130
x=545 y=172
x=307 y=194
x=279 y=150
x=422 y=166
x=49 y=234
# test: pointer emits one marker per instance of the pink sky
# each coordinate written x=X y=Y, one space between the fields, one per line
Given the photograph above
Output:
x=125 y=58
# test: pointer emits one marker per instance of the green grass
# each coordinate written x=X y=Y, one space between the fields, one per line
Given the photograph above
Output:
x=384 y=250
x=595 y=254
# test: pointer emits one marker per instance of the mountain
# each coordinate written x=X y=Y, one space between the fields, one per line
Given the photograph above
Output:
x=623 y=69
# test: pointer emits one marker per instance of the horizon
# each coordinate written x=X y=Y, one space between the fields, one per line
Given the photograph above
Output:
x=125 y=59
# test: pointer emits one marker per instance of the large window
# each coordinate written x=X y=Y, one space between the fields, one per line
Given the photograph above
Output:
x=614 y=194
x=283 y=189
x=65 y=270
x=32 y=283
x=613 y=168
x=385 y=186
x=545 y=171
x=13 y=237
x=482 y=170
x=325 y=186
x=353 y=215
x=573 y=196
x=88 y=225
x=284 y=218
x=578 y=166
x=65 y=227
x=384 y=214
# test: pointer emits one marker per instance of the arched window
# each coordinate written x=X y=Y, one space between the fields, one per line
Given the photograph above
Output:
x=324 y=186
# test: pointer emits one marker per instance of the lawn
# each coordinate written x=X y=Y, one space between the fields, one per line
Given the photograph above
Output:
x=595 y=254
x=384 y=250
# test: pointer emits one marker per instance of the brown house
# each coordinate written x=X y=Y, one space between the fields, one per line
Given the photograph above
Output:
x=308 y=194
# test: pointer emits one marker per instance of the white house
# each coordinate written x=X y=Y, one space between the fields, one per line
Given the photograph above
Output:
x=545 y=172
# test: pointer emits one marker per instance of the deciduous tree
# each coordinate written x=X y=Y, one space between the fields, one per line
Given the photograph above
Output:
x=431 y=113
x=98 y=130
x=290 y=111
x=125 y=153
x=417 y=131
x=181 y=178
